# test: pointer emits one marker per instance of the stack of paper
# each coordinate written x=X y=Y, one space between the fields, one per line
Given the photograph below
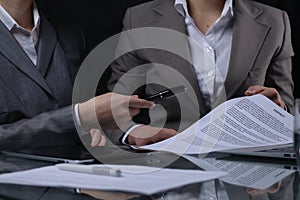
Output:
x=246 y=122
x=134 y=179
x=242 y=173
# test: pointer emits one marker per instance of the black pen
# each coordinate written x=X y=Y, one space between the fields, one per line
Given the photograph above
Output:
x=167 y=93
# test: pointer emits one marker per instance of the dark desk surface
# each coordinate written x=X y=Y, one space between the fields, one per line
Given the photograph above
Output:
x=289 y=186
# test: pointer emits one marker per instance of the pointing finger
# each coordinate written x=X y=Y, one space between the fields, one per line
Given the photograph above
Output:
x=140 y=103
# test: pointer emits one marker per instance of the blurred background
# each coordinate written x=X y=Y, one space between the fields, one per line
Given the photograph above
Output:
x=102 y=19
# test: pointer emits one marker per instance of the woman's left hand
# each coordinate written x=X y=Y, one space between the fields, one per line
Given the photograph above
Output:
x=271 y=93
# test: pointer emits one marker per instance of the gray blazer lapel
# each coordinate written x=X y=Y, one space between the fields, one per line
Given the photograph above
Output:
x=171 y=19
x=11 y=49
x=248 y=37
x=47 y=43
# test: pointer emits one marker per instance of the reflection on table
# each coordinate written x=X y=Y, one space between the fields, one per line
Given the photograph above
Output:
x=229 y=188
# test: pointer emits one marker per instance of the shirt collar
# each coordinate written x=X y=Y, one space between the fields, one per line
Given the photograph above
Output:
x=182 y=8
x=36 y=17
x=10 y=23
x=228 y=9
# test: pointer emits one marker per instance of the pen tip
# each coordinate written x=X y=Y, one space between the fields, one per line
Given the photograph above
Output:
x=118 y=173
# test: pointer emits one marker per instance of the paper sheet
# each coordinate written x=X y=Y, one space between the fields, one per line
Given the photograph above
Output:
x=243 y=174
x=238 y=123
x=135 y=179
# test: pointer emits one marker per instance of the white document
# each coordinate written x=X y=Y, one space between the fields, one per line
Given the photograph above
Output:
x=243 y=174
x=244 y=122
x=134 y=179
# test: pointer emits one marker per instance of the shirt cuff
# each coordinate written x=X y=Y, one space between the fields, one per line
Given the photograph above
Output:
x=77 y=119
x=77 y=191
x=124 y=138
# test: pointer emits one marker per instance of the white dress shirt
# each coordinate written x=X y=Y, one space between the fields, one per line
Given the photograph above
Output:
x=213 y=190
x=28 y=40
x=210 y=52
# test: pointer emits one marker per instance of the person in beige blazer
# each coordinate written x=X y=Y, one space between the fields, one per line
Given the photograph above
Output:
x=259 y=61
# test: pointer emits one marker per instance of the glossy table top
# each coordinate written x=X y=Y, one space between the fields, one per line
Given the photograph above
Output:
x=288 y=188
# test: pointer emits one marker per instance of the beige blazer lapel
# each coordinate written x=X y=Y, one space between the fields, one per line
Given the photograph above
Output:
x=248 y=37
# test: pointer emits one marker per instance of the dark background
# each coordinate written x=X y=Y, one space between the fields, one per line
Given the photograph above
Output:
x=101 y=19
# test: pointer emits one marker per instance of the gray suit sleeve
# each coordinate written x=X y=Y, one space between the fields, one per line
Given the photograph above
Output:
x=279 y=74
x=47 y=129
x=122 y=68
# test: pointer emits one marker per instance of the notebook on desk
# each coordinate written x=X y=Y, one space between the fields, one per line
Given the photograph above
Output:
x=282 y=151
x=65 y=154
x=265 y=161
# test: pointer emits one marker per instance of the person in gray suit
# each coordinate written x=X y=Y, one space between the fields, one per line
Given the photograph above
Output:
x=38 y=65
x=249 y=51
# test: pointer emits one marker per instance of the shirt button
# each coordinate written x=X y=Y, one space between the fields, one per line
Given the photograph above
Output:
x=187 y=20
x=209 y=49
x=211 y=73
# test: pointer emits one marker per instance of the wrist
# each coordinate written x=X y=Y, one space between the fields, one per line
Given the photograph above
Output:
x=129 y=139
x=87 y=115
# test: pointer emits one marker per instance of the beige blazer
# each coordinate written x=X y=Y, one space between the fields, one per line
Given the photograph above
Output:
x=261 y=55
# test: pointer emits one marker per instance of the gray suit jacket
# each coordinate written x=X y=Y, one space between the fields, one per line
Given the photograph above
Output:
x=261 y=55
x=35 y=101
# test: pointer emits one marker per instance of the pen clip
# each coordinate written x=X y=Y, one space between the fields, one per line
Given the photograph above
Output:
x=168 y=93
